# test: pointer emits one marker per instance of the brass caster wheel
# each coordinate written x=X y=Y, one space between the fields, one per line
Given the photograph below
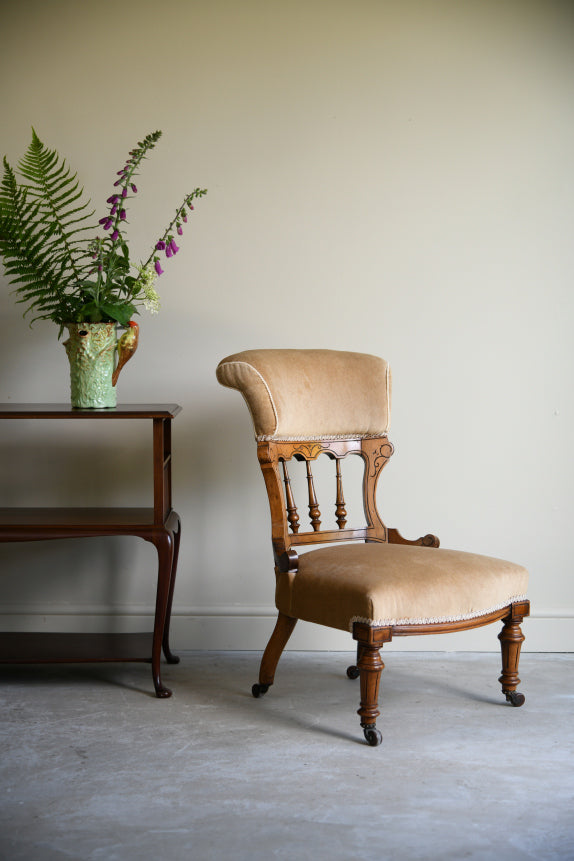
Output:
x=373 y=736
x=353 y=672
x=258 y=690
x=514 y=698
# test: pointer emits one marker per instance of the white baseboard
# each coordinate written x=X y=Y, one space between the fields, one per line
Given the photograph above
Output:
x=249 y=628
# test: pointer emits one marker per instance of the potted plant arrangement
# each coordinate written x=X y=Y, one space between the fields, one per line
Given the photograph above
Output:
x=81 y=281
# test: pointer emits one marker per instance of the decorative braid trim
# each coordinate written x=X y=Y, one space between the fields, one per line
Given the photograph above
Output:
x=320 y=438
x=439 y=620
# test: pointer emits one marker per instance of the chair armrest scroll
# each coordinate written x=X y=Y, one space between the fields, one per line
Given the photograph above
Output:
x=429 y=540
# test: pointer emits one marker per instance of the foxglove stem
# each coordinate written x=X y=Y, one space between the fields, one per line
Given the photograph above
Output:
x=198 y=192
x=113 y=279
x=129 y=169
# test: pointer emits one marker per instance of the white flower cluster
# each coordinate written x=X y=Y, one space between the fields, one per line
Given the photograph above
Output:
x=148 y=277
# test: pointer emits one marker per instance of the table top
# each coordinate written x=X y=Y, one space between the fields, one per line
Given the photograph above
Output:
x=65 y=411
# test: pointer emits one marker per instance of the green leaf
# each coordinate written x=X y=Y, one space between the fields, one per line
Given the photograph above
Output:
x=90 y=312
x=122 y=313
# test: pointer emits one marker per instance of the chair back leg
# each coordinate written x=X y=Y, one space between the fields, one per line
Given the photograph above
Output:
x=277 y=642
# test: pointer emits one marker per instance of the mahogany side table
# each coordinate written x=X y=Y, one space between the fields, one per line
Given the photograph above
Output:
x=159 y=525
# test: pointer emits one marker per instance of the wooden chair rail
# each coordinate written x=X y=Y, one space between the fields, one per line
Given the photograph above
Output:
x=286 y=517
x=521 y=609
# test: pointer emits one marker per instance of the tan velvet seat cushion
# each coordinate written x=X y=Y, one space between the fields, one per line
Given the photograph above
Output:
x=392 y=584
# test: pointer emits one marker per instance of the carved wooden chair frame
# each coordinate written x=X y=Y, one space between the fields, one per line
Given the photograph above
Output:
x=274 y=457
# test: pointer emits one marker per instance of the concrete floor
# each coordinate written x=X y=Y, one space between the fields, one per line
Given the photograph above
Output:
x=94 y=767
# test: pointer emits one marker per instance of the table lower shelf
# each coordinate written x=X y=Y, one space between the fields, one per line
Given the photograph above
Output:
x=27 y=521
x=49 y=648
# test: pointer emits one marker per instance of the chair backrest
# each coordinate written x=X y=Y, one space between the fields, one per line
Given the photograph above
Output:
x=310 y=402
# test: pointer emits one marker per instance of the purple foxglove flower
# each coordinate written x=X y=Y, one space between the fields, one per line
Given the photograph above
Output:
x=124 y=192
x=113 y=199
x=115 y=235
x=173 y=247
x=123 y=215
x=107 y=222
x=118 y=182
x=168 y=251
x=160 y=245
x=157 y=265
x=185 y=217
x=179 y=230
x=134 y=188
x=113 y=210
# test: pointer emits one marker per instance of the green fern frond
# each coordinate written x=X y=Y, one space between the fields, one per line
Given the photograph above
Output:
x=57 y=189
x=42 y=222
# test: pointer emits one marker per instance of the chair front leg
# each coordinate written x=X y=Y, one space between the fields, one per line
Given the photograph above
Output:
x=370 y=667
x=511 y=639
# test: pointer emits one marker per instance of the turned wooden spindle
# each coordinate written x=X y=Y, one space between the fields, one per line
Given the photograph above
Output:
x=340 y=510
x=292 y=515
x=314 y=512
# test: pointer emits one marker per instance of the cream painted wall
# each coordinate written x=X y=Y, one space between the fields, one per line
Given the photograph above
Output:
x=392 y=177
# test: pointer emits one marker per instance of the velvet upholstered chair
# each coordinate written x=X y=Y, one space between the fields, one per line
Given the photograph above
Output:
x=369 y=580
